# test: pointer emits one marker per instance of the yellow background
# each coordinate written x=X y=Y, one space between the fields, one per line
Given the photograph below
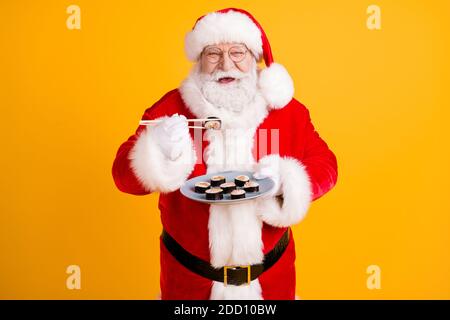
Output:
x=70 y=97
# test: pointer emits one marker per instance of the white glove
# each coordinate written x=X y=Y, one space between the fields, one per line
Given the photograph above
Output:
x=172 y=135
x=269 y=167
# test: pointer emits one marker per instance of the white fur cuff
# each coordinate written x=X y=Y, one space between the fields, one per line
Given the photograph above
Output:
x=154 y=170
x=296 y=193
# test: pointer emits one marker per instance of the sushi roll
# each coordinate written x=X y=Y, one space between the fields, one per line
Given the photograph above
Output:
x=227 y=187
x=214 y=194
x=238 y=194
x=241 y=180
x=202 y=186
x=251 y=186
x=217 y=180
x=215 y=123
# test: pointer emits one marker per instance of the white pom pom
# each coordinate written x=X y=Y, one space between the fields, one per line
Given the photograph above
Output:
x=276 y=85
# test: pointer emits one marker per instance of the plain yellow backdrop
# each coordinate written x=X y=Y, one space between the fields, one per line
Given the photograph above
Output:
x=69 y=98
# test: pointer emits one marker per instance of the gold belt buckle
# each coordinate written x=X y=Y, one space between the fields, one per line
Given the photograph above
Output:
x=225 y=273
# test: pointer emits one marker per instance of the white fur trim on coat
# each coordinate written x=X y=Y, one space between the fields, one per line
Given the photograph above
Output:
x=154 y=170
x=296 y=195
x=245 y=292
x=276 y=85
x=216 y=28
x=235 y=236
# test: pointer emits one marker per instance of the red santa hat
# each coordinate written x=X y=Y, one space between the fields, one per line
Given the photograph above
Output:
x=237 y=25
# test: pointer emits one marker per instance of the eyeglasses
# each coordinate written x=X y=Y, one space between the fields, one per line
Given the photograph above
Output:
x=236 y=54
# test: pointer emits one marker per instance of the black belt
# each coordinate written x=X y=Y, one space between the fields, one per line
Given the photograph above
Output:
x=235 y=275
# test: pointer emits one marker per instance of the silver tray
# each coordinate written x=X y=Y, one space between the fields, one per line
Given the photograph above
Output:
x=188 y=188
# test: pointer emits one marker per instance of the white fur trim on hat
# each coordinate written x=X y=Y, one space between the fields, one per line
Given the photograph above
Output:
x=276 y=85
x=296 y=192
x=215 y=28
x=154 y=170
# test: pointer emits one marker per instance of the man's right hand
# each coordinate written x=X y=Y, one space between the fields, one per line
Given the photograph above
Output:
x=172 y=135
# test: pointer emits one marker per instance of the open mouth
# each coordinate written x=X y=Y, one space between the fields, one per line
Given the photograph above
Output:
x=226 y=80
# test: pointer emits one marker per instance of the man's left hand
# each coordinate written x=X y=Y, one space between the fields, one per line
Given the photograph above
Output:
x=269 y=167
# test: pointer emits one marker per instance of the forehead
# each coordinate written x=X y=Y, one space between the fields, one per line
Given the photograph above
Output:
x=224 y=45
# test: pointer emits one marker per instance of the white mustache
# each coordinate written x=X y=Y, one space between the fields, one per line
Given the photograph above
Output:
x=228 y=74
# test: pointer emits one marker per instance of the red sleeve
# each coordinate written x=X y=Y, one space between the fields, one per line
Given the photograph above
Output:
x=319 y=160
x=124 y=177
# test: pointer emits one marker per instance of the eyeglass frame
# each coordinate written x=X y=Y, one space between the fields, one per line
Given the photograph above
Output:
x=228 y=51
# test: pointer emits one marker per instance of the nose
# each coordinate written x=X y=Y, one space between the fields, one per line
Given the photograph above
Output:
x=226 y=63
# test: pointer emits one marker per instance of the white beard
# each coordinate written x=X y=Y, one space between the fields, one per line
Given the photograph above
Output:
x=234 y=96
x=239 y=104
x=241 y=107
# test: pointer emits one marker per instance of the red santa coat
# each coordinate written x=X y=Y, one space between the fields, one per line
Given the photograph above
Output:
x=303 y=153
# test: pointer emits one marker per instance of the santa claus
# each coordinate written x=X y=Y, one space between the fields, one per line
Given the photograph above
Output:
x=245 y=250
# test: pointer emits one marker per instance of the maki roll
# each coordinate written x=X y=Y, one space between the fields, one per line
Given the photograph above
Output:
x=217 y=180
x=251 y=186
x=238 y=194
x=202 y=186
x=215 y=123
x=214 y=194
x=227 y=187
x=241 y=180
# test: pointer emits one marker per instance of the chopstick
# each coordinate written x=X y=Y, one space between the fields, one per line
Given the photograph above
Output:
x=146 y=122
